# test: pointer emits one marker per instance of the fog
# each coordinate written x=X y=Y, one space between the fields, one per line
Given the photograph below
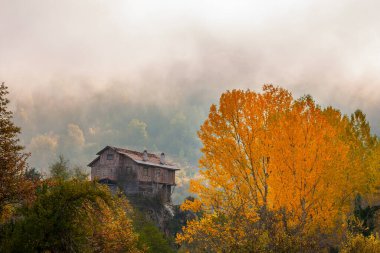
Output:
x=142 y=74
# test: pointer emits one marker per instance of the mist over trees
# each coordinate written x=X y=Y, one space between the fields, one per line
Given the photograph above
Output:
x=107 y=117
x=261 y=170
x=278 y=174
x=113 y=116
x=61 y=211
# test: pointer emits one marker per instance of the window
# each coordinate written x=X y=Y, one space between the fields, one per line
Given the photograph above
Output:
x=158 y=172
x=109 y=156
x=145 y=171
x=125 y=171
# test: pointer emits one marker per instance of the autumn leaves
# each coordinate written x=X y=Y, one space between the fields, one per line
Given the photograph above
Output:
x=274 y=164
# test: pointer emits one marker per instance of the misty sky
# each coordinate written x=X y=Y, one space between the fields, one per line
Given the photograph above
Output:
x=142 y=74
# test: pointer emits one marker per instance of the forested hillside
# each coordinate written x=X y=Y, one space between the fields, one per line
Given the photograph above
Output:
x=277 y=174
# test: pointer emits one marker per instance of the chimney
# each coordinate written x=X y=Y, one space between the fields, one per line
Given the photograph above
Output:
x=162 y=158
x=145 y=156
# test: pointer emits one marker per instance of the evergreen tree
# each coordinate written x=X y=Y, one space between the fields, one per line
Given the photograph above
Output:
x=33 y=175
x=13 y=161
x=60 y=169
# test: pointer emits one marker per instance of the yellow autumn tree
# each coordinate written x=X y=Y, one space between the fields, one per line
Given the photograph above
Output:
x=270 y=161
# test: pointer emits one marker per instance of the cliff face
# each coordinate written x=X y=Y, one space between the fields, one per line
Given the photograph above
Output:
x=155 y=208
x=168 y=218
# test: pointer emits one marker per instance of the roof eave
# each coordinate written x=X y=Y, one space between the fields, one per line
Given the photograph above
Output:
x=101 y=151
x=156 y=165
x=93 y=161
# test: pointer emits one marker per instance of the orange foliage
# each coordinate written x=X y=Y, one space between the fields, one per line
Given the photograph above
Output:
x=269 y=152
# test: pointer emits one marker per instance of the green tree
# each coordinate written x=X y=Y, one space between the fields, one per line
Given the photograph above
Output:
x=73 y=216
x=79 y=173
x=151 y=239
x=60 y=169
x=362 y=131
x=33 y=174
x=13 y=161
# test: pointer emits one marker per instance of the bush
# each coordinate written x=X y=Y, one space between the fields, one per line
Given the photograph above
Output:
x=72 y=216
x=150 y=239
x=361 y=244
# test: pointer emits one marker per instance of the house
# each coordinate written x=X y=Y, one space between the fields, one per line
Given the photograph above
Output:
x=133 y=171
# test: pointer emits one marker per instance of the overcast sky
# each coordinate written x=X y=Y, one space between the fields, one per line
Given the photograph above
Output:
x=142 y=74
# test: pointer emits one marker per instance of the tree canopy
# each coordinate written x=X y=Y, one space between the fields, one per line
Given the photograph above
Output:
x=13 y=161
x=73 y=216
x=277 y=163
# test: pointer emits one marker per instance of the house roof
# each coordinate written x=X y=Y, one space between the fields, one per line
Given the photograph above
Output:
x=93 y=161
x=153 y=160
